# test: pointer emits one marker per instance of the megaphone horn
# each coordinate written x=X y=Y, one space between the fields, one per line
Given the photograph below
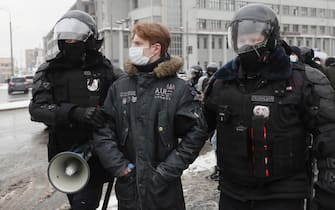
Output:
x=69 y=172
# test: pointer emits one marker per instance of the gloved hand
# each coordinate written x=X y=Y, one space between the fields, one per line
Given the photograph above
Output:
x=90 y=115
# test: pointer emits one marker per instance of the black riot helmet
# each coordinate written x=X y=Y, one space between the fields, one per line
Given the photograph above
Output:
x=254 y=27
x=307 y=54
x=77 y=25
x=211 y=68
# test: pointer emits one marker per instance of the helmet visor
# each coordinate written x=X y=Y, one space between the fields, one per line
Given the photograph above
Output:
x=247 y=35
x=70 y=28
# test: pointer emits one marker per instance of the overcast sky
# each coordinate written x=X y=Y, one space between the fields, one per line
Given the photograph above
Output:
x=31 y=20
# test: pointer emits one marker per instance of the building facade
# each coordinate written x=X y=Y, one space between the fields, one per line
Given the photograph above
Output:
x=199 y=27
x=5 y=69
x=34 y=58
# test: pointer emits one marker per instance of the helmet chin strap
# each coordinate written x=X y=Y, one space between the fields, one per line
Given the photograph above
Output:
x=262 y=58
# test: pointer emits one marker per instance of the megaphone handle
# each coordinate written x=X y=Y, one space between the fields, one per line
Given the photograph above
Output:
x=107 y=195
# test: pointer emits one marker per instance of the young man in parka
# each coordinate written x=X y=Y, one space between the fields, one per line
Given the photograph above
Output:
x=156 y=128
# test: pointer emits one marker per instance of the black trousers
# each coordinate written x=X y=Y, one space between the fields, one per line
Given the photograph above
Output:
x=228 y=203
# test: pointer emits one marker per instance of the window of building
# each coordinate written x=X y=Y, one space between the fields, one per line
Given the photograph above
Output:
x=213 y=42
x=229 y=5
x=176 y=45
x=205 y=42
x=295 y=28
x=220 y=42
x=286 y=27
x=294 y=11
x=286 y=10
x=304 y=29
x=135 y=4
x=313 y=30
x=214 y=4
x=299 y=42
x=303 y=11
x=198 y=42
x=201 y=24
x=322 y=30
x=202 y=3
x=126 y=41
x=313 y=12
x=322 y=12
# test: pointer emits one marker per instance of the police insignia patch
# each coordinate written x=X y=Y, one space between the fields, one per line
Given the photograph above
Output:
x=93 y=84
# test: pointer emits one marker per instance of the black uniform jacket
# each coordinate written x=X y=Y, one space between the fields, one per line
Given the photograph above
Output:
x=59 y=87
x=264 y=124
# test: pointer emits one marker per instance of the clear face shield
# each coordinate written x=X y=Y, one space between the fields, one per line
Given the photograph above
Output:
x=70 y=28
x=247 y=35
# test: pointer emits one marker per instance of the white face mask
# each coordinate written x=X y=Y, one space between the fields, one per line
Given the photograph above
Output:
x=137 y=57
x=293 y=58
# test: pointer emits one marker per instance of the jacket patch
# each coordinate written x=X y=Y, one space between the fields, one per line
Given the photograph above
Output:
x=258 y=98
x=93 y=84
x=165 y=93
x=128 y=97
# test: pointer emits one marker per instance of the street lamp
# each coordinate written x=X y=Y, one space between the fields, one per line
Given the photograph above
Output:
x=11 y=40
x=121 y=22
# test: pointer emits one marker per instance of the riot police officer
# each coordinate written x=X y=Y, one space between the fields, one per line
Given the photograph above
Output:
x=211 y=68
x=264 y=111
x=196 y=73
x=67 y=94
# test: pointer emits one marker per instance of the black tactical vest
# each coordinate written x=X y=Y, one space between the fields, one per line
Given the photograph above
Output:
x=261 y=135
x=84 y=87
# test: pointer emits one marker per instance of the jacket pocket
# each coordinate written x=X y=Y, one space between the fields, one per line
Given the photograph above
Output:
x=125 y=190
x=288 y=111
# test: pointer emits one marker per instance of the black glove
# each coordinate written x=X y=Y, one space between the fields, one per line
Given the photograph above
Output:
x=89 y=115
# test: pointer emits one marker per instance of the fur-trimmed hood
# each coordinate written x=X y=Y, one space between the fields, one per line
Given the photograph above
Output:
x=166 y=68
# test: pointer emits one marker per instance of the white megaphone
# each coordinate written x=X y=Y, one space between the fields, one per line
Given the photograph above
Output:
x=69 y=172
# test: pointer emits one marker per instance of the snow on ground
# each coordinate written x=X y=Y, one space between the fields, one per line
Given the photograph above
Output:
x=14 y=105
x=3 y=86
x=202 y=163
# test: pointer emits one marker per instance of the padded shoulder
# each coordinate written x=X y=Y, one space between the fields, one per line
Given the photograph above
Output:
x=316 y=76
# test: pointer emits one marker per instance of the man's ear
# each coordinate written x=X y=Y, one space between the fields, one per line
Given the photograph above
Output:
x=157 y=48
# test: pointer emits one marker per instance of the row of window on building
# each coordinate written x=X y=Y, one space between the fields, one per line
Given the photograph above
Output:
x=289 y=10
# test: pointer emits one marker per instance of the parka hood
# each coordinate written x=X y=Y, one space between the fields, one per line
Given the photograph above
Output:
x=166 y=68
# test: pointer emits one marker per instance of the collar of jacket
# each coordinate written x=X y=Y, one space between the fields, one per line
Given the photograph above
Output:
x=164 y=69
x=298 y=66
x=279 y=69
